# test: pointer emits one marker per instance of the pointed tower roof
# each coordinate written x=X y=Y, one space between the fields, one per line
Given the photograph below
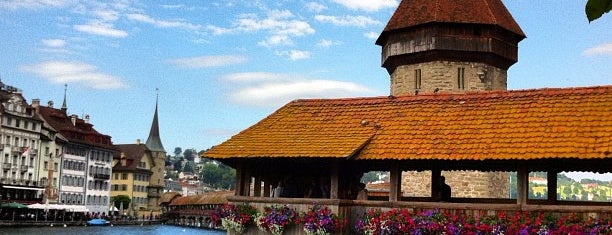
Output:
x=64 y=106
x=154 y=142
x=412 y=13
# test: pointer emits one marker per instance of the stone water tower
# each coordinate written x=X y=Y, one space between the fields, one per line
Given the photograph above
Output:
x=451 y=46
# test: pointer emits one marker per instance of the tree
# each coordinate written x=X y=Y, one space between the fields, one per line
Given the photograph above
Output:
x=178 y=165
x=122 y=199
x=221 y=176
x=596 y=8
x=369 y=177
x=188 y=154
x=177 y=151
x=171 y=175
x=567 y=190
x=188 y=167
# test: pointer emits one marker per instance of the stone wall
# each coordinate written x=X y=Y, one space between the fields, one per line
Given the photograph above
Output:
x=443 y=76
x=465 y=184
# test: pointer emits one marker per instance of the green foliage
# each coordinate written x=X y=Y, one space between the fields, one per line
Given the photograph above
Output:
x=596 y=8
x=171 y=175
x=122 y=199
x=369 y=177
x=177 y=151
x=188 y=167
x=188 y=154
x=218 y=176
x=178 y=165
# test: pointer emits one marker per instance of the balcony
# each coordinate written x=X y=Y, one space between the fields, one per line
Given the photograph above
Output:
x=102 y=176
x=4 y=180
x=16 y=149
x=23 y=168
x=6 y=166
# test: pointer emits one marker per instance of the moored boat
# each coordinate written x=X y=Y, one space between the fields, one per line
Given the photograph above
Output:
x=98 y=222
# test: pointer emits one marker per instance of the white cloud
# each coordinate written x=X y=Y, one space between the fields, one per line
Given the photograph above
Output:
x=315 y=6
x=101 y=29
x=55 y=46
x=326 y=43
x=274 y=90
x=34 y=4
x=294 y=54
x=164 y=23
x=74 y=72
x=600 y=50
x=371 y=35
x=106 y=15
x=208 y=61
x=367 y=5
x=254 y=77
x=56 y=43
x=280 y=25
x=357 y=21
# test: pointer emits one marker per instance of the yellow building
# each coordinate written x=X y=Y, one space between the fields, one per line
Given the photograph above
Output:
x=138 y=173
x=131 y=176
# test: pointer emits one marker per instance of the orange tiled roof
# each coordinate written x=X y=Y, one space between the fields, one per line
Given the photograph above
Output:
x=411 y=13
x=525 y=124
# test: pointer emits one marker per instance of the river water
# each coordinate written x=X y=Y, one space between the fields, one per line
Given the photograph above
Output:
x=117 y=230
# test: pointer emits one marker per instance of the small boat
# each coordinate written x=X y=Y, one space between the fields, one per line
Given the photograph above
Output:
x=98 y=222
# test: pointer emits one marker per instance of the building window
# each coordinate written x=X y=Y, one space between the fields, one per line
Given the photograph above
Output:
x=461 y=78
x=124 y=176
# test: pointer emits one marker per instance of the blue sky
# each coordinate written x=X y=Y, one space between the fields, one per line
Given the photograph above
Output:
x=221 y=66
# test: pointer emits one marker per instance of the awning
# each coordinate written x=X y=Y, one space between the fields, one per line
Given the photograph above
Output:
x=26 y=188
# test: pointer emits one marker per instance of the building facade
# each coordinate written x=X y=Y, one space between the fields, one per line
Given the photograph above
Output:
x=20 y=134
x=131 y=177
x=85 y=159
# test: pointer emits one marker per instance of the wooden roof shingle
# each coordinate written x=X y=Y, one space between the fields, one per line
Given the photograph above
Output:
x=497 y=125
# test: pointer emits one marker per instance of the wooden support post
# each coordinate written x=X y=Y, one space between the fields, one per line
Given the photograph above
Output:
x=522 y=185
x=267 y=188
x=246 y=182
x=395 y=183
x=257 y=186
x=334 y=183
x=435 y=179
x=551 y=184
x=239 y=178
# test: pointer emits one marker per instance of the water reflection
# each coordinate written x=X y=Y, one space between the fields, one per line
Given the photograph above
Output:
x=132 y=230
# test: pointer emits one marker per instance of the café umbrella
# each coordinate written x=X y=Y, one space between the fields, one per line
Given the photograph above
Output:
x=13 y=205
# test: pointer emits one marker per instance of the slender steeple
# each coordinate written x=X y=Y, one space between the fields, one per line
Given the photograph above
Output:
x=64 y=106
x=154 y=141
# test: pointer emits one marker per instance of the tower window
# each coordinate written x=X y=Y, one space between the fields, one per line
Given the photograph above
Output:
x=417 y=79
x=461 y=78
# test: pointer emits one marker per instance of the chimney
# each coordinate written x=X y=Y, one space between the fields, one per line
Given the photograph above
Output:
x=35 y=103
x=123 y=159
x=87 y=118
x=138 y=141
x=50 y=104
x=73 y=119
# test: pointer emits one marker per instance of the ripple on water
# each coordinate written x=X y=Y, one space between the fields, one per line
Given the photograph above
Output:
x=131 y=230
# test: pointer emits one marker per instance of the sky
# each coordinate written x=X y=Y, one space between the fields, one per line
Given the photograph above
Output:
x=220 y=66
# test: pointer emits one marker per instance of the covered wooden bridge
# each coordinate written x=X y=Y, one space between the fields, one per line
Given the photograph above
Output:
x=334 y=141
x=192 y=210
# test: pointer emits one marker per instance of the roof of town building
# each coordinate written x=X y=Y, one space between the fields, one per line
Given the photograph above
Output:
x=133 y=154
x=81 y=131
x=495 y=125
x=412 y=13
